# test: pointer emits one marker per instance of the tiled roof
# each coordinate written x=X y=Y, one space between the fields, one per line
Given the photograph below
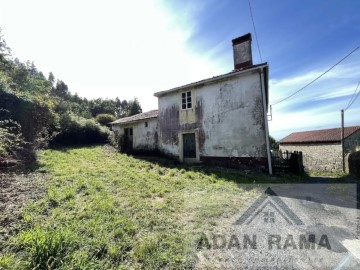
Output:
x=318 y=136
x=137 y=117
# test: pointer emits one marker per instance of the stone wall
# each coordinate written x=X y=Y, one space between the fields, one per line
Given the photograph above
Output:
x=325 y=157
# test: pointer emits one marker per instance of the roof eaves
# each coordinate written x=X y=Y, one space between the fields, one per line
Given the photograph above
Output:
x=306 y=142
x=210 y=80
x=132 y=121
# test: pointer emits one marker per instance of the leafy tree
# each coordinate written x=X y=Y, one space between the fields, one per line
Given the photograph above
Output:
x=121 y=108
x=127 y=108
x=61 y=90
x=134 y=107
x=51 y=78
x=5 y=51
x=273 y=143
x=11 y=139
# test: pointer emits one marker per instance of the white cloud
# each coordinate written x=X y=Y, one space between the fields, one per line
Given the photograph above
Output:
x=317 y=106
x=108 y=48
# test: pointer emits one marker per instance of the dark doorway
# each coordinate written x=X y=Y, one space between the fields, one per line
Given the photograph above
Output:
x=189 y=145
x=128 y=140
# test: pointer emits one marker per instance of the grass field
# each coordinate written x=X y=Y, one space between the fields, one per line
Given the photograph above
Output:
x=105 y=210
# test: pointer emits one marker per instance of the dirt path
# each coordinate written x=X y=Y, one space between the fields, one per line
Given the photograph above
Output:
x=16 y=190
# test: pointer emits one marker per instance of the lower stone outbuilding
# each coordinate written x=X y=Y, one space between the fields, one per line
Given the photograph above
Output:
x=322 y=149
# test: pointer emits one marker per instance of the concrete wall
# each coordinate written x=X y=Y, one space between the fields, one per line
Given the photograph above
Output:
x=228 y=116
x=325 y=157
x=144 y=138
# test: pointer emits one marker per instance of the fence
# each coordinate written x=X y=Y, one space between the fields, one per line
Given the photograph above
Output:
x=287 y=162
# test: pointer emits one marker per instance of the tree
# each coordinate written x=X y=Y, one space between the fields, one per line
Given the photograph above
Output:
x=5 y=51
x=61 y=90
x=5 y=54
x=51 y=78
x=274 y=145
x=134 y=107
x=121 y=109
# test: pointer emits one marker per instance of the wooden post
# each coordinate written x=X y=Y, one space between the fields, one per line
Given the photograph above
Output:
x=342 y=140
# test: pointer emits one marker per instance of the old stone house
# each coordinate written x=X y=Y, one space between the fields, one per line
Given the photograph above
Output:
x=220 y=120
x=322 y=149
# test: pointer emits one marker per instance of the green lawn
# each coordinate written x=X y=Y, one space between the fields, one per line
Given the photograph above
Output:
x=105 y=210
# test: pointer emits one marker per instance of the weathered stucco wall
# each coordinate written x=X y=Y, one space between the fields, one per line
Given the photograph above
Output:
x=144 y=138
x=324 y=157
x=228 y=115
x=119 y=130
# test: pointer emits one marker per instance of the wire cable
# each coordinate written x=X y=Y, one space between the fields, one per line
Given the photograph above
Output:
x=302 y=88
x=257 y=42
x=353 y=97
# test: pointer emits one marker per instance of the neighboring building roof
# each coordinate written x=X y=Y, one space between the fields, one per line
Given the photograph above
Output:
x=137 y=117
x=216 y=78
x=319 y=136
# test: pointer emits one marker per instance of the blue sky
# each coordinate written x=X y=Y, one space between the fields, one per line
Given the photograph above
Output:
x=135 y=48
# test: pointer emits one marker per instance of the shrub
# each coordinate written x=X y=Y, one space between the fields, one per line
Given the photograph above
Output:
x=13 y=147
x=77 y=130
x=105 y=119
x=34 y=116
x=10 y=137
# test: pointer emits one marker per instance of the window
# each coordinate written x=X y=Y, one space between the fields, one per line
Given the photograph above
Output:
x=146 y=124
x=128 y=132
x=186 y=100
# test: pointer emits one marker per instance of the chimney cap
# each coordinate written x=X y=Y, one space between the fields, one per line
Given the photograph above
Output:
x=242 y=51
x=241 y=39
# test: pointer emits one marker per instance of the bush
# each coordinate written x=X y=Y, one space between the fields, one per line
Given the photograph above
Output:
x=76 y=130
x=105 y=119
x=34 y=116
x=10 y=137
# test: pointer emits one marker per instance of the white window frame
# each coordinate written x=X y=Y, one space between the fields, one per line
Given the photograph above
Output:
x=186 y=99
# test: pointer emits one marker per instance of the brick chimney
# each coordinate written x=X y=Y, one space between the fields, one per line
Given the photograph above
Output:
x=242 y=51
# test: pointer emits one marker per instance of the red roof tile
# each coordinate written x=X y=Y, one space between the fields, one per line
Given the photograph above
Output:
x=137 y=117
x=318 y=136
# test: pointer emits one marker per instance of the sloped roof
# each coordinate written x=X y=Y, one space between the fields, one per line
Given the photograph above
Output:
x=215 y=78
x=137 y=117
x=319 y=136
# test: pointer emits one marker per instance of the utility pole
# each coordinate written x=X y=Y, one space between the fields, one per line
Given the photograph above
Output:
x=342 y=140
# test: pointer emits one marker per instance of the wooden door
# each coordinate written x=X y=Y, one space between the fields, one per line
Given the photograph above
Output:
x=189 y=145
x=128 y=139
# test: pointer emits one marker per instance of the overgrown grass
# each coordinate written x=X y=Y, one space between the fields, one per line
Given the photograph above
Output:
x=105 y=210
